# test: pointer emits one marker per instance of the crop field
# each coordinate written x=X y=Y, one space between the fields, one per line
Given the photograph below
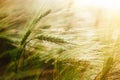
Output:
x=59 y=40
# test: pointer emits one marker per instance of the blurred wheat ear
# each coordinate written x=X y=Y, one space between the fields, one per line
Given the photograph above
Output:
x=106 y=69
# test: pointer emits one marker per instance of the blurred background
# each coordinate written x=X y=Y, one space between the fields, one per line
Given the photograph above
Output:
x=59 y=39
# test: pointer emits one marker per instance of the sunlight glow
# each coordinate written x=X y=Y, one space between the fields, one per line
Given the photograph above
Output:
x=115 y=34
x=107 y=4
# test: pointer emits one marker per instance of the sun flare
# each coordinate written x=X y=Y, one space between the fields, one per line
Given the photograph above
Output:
x=107 y=4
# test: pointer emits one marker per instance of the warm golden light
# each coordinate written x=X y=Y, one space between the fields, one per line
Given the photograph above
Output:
x=107 y=4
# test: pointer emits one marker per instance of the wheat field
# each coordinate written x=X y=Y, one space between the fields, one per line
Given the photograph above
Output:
x=59 y=40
